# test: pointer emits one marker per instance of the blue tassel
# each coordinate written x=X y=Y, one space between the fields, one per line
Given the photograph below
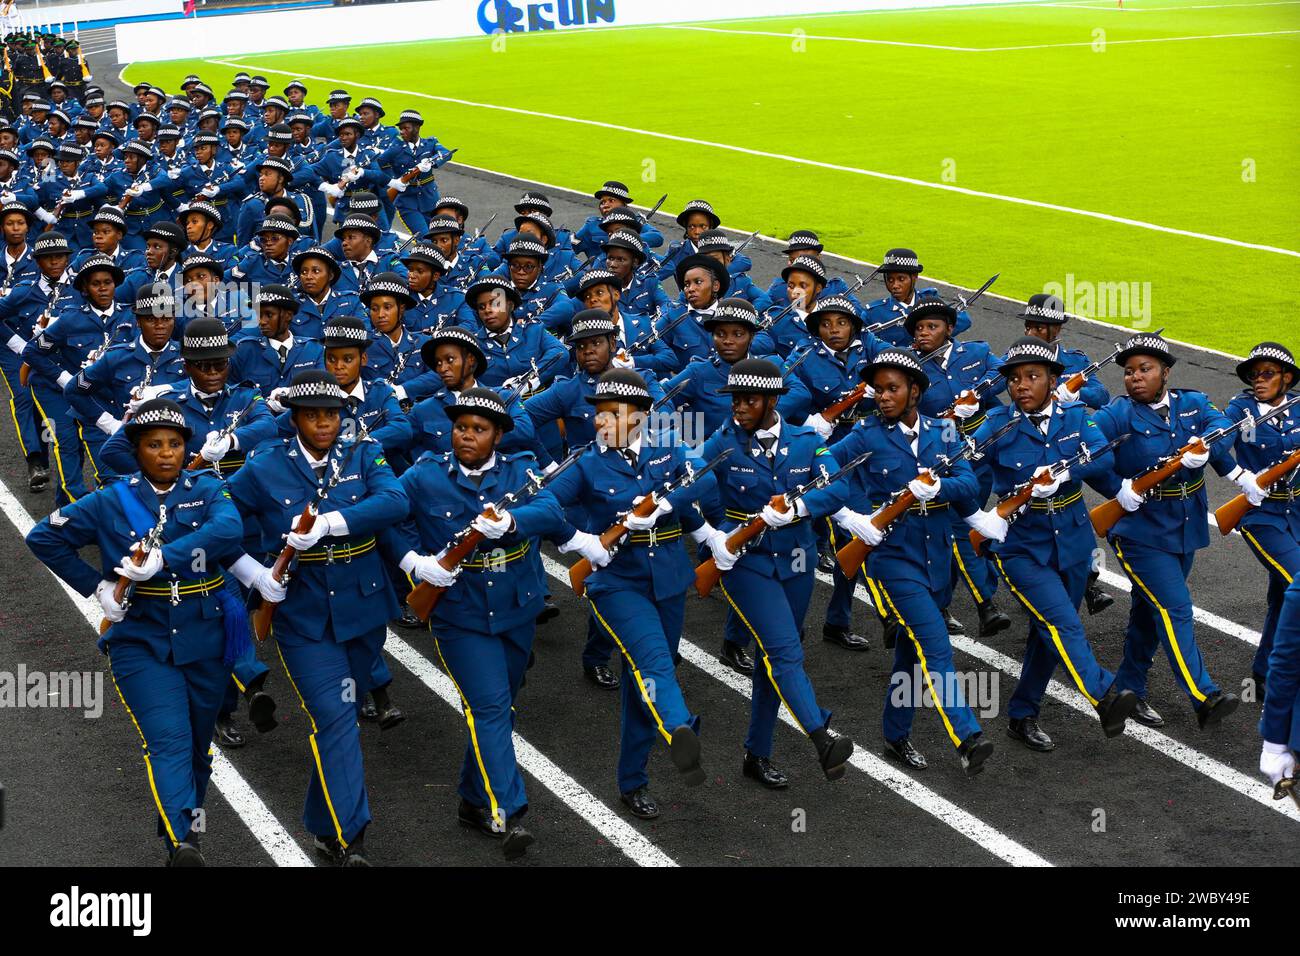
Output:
x=238 y=629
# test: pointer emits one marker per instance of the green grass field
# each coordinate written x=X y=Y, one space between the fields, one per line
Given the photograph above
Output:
x=1197 y=135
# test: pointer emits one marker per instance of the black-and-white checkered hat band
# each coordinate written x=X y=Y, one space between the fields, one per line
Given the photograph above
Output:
x=526 y=247
x=279 y=165
x=387 y=287
x=371 y=102
x=620 y=391
x=209 y=210
x=698 y=205
x=51 y=244
x=10 y=155
x=277 y=136
x=615 y=189
x=481 y=398
x=411 y=116
x=363 y=223
x=196 y=343
x=1047 y=312
x=1147 y=343
x=898 y=358
x=807 y=264
x=274 y=297
x=834 y=303
x=443 y=224
x=627 y=240
x=803 y=240
x=205 y=139
x=347 y=331
x=899 y=263
x=156 y=302
x=110 y=214
x=737 y=311
x=279 y=101
x=1273 y=352
x=756 y=383
x=234 y=122
x=152 y=417
x=1023 y=352
x=595 y=277
x=451 y=202
x=714 y=243
x=315 y=390
x=589 y=328
x=620 y=215
x=138 y=148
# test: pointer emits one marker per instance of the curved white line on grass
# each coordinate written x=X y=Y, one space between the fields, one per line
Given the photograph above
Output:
x=942 y=809
x=581 y=801
x=261 y=822
x=798 y=160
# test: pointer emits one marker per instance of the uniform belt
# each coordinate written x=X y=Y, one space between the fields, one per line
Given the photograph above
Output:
x=1053 y=505
x=492 y=561
x=1291 y=494
x=145 y=212
x=972 y=423
x=1182 y=492
x=230 y=465
x=654 y=535
x=920 y=507
x=177 y=590
x=331 y=553
x=743 y=517
x=426 y=181
x=78 y=215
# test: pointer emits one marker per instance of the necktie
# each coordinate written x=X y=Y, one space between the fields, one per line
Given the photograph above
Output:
x=503 y=338
x=1164 y=412
x=843 y=357
x=210 y=401
x=629 y=456
x=476 y=477
x=283 y=353
x=1038 y=420
x=767 y=441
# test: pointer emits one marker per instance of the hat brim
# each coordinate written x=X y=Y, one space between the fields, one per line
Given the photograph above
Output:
x=714 y=221
x=812 y=322
x=118 y=275
x=478 y=288
x=1244 y=367
x=645 y=404
x=504 y=422
x=200 y=355
x=428 y=352
x=1056 y=368
x=134 y=429
x=1168 y=358
x=313 y=401
x=751 y=390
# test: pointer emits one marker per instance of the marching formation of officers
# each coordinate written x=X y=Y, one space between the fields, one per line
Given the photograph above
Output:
x=265 y=430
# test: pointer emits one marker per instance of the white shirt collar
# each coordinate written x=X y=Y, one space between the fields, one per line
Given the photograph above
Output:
x=486 y=466
x=202 y=395
x=311 y=456
x=1163 y=403
x=358 y=391
x=284 y=346
x=774 y=431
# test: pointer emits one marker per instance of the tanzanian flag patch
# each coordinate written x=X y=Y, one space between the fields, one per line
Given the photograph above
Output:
x=823 y=450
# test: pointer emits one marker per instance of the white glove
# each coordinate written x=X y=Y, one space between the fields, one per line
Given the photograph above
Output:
x=1276 y=761
x=860 y=526
x=272 y=591
x=142 y=188
x=146 y=394
x=722 y=555
x=1046 y=491
x=963 y=410
x=1129 y=499
x=44 y=215
x=208 y=191
x=990 y=524
x=273 y=400
x=589 y=546
x=7 y=196
x=399 y=393
x=493 y=528
x=76 y=195
x=428 y=569
x=1248 y=482
x=396 y=183
x=330 y=523
x=633 y=523
x=131 y=192
x=216 y=446
x=425 y=164
x=923 y=491
x=107 y=424
x=16 y=344
x=329 y=189
x=174 y=173
x=818 y=423
x=1064 y=394
x=63 y=379
x=114 y=611
x=1194 y=459
x=620 y=360
x=153 y=563
x=776 y=519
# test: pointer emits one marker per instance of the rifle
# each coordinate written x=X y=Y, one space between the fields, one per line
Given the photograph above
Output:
x=516 y=383
x=1009 y=507
x=654 y=335
x=612 y=535
x=858 y=393
x=853 y=554
x=25 y=371
x=771 y=320
x=484 y=228
x=655 y=208
x=410 y=175
x=707 y=574
x=677 y=390
x=1288 y=787
x=1080 y=378
x=424 y=595
x=976 y=396
x=966 y=303
x=1229 y=516
x=744 y=243
x=124 y=587
x=280 y=570
x=198 y=462
x=1107 y=514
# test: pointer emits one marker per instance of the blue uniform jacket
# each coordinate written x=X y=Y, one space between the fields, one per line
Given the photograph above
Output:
x=255 y=360
x=72 y=335
x=967 y=365
x=311 y=318
x=882 y=310
x=566 y=398
x=106 y=385
x=703 y=378
x=1270 y=443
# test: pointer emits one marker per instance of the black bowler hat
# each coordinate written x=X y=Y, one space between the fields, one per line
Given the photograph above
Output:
x=733 y=311
x=483 y=402
x=931 y=307
x=901 y=260
x=828 y=305
x=346 y=331
x=1146 y=343
x=590 y=324
x=459 y=336
x=1031 y=351
x=157 y=413
x=905 y=360
x=754 y=376
x=314 y=388
x=700 y=261
x=622 y=385
x=388 y=283
x=205 y=339
x=1044 y=309
x=1271 y=352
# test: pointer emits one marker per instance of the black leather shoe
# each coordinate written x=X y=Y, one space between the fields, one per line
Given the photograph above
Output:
x=906 y=754
x=38 y=477
x=516 y=839
x=640 y=804
x=1114 y=709
x=889 y=632
x=368 y=709
x=992 y=620
x=186 y=854
x=328 y=847
x=1216 y=707
x=734 y=656
x=845 y=638
x=227 y=734
x=833 y=752
x=1146 y=715
x=355 y=854
x=410 y=620
x=685 y=754
x=550 y=611
x=390 y=715
x=601 y=676
x=1027 y=731
x=953 y=625
x=475 y=818
x=761 y=769
x=261 y=711
x=826 y=563
x=1098 y=600
x=973 y=752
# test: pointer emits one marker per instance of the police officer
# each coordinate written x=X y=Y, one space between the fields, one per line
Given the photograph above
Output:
x=274 y=175
x=202 y=220
x=703 y=282
x=171 y=637
x=394 y=353
x=358 y=237
x=484 y=624
x=1157 y=540
x=539 y=299
x=275 y=356
x=333 y=613
x=511 y=346
x=770 y=584
x=909 y=566
x=269 y=265
x=163 y=242
x=612 y=195
x=215 y=181
x=435 y=301
x=1045 y=554
x=900 y=268
x=715 y=243
x=696 y=218
x=411 y=159
x=601 y=289
x=107 y=229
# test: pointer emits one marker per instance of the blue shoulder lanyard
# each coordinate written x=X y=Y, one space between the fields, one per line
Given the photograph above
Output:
x=137 y=515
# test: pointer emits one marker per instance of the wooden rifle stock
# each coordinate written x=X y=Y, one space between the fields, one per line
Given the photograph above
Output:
x=1107 y=514
x=119 y=591
x=610 y=537
x=853 y=554
x=1009 y=506
x=836 y=409
x=707 y=574
x=266 y=610
x=425 y=596
x=1229 y=516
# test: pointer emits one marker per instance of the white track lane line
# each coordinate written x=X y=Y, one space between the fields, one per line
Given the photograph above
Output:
x=797 y=160
x=261 y=822
x=1219 y=772
x=942 y=809
x=581 y=801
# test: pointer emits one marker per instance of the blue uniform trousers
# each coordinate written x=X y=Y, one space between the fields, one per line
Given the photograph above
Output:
x=1161 y=614
x=415 y=222
x=174 y=709
x=21 y=407
x=1051 y=596
x=247 y=670
x=1280 y=555
x=647 y=633
x=772 y=613
x=487 y=670
x=331 y=680
x=69 y=485
x=922 y=661
x=974 y=571
x=839 y=612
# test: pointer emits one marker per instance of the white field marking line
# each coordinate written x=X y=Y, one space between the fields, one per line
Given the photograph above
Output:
x=969 y=49
x=1173 y=749
x=942 y=809
x=581 y=801
x=255 y=814
x=1198 y=6
x=764 y=154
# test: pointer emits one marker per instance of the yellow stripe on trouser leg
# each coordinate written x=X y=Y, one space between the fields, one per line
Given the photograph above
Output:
x=1265 y=555
x=47 y=428
x=148 y=764
x=320 y=770
x=767 y=661
x=473 y=739
x=961 y=566
x=876 y=600
x=925 y=668
x=13 y=413
x=636 y=672
x=1051 y=630
x=94 y=467
x=1169 y=625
